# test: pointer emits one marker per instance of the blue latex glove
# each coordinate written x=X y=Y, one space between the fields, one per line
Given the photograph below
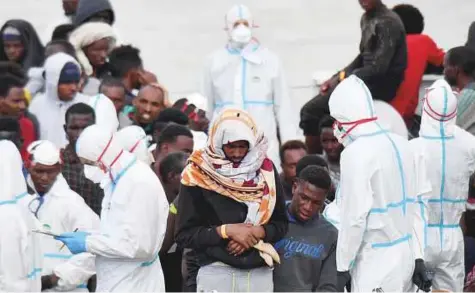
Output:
x=75 y=241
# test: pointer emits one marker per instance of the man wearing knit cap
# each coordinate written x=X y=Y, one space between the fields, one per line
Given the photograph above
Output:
x=62 y=75
x=59 y=209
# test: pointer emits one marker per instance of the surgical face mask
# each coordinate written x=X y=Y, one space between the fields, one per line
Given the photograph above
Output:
x=241 y=34
x=93 y=173
x=341 y=135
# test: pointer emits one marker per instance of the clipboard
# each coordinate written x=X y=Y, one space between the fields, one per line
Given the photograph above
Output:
x=45 y=233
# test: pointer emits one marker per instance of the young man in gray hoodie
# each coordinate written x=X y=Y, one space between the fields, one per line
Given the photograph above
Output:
x=308 y=251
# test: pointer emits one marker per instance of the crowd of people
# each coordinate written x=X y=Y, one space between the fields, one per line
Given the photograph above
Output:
x=106 y=184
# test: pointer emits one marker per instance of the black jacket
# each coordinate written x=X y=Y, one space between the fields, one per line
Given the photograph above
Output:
x=201 y=211
x=383 y=53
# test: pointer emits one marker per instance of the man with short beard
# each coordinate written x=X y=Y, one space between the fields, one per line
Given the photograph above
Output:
x=146 y=106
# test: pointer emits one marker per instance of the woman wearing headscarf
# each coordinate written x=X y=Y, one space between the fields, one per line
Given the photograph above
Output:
x=20 y=43
x=232 y=207
x=93 y=42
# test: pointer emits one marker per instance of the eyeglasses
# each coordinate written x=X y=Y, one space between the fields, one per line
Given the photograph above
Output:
x=35 y=204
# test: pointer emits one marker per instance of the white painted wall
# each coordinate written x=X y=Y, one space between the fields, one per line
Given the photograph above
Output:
x=309 y=35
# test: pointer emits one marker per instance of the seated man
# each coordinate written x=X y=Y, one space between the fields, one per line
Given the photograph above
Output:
x=308 y=251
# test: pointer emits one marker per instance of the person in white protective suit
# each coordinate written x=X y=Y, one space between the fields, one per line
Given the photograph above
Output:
x=133 y=218
x=60 y=209
x=377 y=242
x=449 y=155
x=388 y=118
x=20 y=254
x=246 y=75
x=106 y=114
x=134 y=140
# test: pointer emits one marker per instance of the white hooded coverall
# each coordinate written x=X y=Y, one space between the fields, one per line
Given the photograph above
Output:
x=134 y=140
x=133 y=217
x=106 y=114
x=20 y=254
x=378 y=189
x=62 y=210
x=251 y=79
x=388 y=118
x=449 y=154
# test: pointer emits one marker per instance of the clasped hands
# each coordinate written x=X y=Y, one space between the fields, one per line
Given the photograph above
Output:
x=242 y=237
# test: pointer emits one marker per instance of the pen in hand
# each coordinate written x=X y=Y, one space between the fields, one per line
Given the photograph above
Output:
x=62 y=246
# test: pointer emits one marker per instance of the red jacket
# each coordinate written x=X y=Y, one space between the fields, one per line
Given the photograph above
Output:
x=28 y=133
x=421 y=50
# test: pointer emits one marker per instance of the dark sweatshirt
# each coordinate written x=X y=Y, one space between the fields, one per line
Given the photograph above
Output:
x=308 y=257
x=34 y=49
x=383 y=53
x=88 y=8
x=201 y=211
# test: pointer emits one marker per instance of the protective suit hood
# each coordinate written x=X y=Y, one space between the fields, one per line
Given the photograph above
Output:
x=13 y=183
x=96 y=144
x=439 y=111
x=236 y=13
x=34 y=49
x=134 y=140
x=351 y=104
x=44 y=152
x=53 y=66
x=87 y=8
x=241 y=36
x=390 y=119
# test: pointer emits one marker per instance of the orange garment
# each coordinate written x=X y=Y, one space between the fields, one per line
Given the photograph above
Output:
x=421 y=50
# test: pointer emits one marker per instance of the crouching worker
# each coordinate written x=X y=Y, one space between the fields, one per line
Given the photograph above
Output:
x=232 y=207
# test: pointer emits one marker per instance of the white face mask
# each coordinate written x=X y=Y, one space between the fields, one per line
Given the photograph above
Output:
x=93 y=173
x=241 y=34
x=340 y=135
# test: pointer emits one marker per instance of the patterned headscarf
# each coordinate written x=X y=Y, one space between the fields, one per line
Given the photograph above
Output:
x=252 y=181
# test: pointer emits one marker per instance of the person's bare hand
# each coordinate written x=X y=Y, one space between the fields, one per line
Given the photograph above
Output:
x=329 y=84
x=242 y=234
x=258 y=232
x=236 y=249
